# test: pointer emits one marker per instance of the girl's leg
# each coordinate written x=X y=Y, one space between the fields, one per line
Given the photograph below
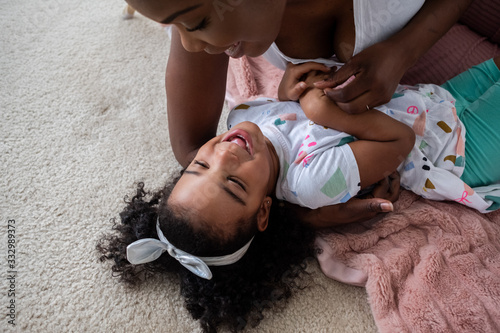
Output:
x=478 y=105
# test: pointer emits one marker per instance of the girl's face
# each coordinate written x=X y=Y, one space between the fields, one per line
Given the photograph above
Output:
x=237 y=27
x=229 y=179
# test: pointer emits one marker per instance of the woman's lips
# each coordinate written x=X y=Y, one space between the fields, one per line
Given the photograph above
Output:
x=235 y=50
x=240 y=138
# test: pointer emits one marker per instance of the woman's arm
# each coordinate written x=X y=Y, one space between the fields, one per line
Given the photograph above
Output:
x=195 y=85
x=356 y=209
x=379 y=68
x=383 y=142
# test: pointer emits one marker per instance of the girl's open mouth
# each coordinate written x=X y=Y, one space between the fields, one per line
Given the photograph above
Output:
x=241 y=138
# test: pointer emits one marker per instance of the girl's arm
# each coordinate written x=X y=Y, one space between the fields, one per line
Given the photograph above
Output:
x=379 y=68
x=383 y=142
x=195 y=86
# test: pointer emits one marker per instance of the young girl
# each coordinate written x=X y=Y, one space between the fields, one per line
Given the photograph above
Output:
x=221 y=219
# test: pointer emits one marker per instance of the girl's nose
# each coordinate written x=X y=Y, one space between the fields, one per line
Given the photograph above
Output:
x=226 y=158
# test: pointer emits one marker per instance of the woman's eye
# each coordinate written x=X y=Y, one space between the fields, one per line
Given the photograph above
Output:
x=237 y=182
x=202 y=25
x=202 y=164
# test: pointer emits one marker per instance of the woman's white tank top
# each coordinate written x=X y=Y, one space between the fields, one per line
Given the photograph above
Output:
x=374 y=21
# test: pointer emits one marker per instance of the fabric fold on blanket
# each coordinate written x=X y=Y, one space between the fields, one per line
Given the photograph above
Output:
x=429 y=266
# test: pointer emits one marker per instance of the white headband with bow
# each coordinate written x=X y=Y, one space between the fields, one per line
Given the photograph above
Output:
x=149 y=249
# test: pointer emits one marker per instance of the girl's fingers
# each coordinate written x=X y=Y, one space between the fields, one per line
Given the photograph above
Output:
x=297 y=90
x=301 y=69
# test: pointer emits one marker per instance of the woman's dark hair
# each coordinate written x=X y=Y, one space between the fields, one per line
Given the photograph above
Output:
x=237 y=294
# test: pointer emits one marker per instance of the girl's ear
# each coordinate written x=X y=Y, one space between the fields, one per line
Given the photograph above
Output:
x=263 y=214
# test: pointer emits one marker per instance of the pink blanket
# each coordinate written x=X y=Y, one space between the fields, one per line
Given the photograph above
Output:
x=427 y=267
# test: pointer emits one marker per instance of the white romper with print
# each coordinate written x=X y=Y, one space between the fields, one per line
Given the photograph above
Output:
x=318 y=168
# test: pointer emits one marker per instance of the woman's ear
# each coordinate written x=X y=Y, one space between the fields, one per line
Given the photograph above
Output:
x=263 y=214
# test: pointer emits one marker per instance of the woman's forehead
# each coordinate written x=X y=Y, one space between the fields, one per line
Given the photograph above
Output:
x=166 y=11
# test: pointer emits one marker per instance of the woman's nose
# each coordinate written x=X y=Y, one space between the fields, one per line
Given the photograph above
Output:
x=192 y=44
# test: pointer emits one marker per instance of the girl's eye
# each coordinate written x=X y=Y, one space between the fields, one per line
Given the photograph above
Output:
x=202 y=164
x=203 y=24
x=237 y=182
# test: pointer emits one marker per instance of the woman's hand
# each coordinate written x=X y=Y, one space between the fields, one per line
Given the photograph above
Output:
x=356 y=209
x=377 y=70
x=292 y=84
x=387 y=188
x=380 y=67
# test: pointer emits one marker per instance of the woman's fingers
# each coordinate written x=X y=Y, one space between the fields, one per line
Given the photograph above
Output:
x=388 y=188
x=363 y=209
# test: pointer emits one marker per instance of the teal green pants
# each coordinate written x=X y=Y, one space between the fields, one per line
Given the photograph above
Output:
x=477 y=92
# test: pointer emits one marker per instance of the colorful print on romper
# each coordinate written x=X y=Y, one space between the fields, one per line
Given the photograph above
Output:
x=429 y=185
x=412 y=109
x=422 y=145
x=454 y=111
x=409 y=166
x=468 y=191
x=451 y=158
x=444 y=126
x=345 y=140
x=284 y=117
x=242 y=107
x=335 y=185
x=460 y=149
x=285 y=172
x=419 y=124
x=460 y=143
x=302 y=156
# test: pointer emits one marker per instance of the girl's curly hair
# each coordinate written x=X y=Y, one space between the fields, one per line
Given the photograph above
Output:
x=237 y=294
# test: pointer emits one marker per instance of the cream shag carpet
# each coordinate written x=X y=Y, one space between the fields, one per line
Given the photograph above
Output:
x=83 y=119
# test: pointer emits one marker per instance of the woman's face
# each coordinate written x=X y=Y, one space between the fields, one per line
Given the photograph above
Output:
x=236 y=27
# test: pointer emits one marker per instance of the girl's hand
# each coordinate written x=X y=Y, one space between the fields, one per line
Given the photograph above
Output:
x=377 y=70
x=292 y=84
